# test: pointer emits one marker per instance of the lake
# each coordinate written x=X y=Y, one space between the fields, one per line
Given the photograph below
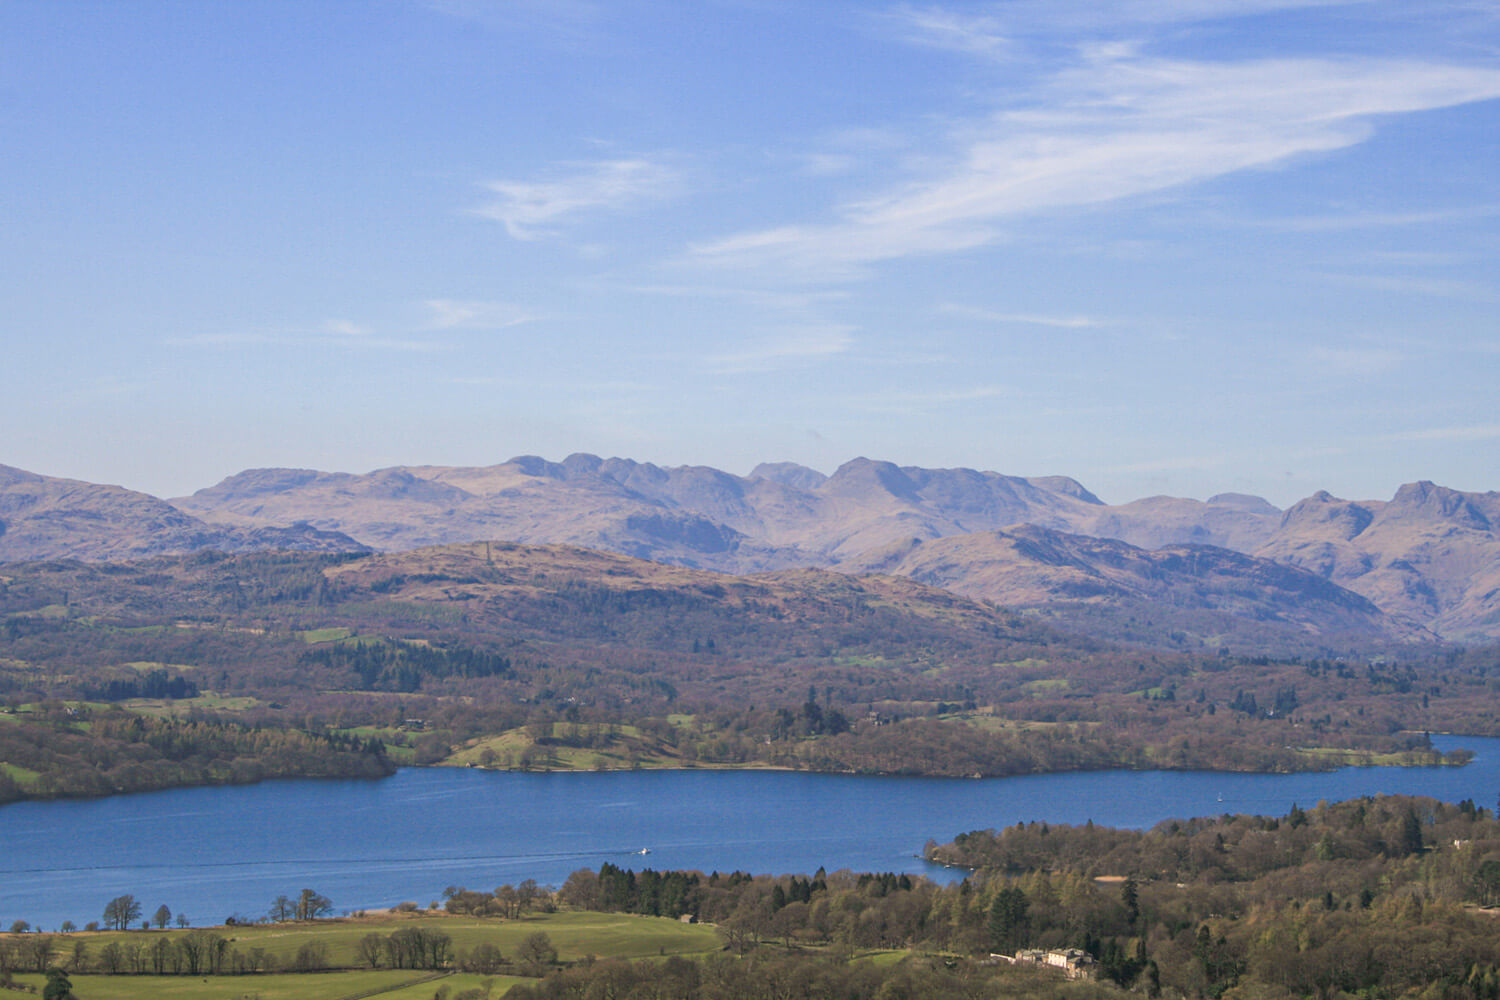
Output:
x=215 y=852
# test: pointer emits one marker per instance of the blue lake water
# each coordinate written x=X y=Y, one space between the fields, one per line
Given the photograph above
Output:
x=215 y=852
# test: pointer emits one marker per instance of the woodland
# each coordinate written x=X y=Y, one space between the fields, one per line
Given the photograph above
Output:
x=214 y=668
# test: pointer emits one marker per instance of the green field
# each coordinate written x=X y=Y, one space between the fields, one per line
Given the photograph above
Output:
x=576 y=936
x=317 y=635
x=207 y=701
x=623 y=748
x=18 y=773
x=495 y=986
x=281 y=986
x=1344 y=757
x=611 y=935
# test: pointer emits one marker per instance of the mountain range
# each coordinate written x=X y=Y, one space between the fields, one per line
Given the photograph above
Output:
x=1424 y=564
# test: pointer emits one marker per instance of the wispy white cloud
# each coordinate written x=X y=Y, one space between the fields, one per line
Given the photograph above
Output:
x=1111 y=128
x=344 y=328
x=928 y=25
x=300 y=339
x=1359 y=362
x=1415 y=258
x=770 y=298
x=1026 y=319
x=1474 y=432
x=961 y=31
x=320 y=337
x=472 y=314
x=827 y=164
x=1377 y=220
x=1446 y=288
x=798 y=345
x=344 y=334
x=527 y=208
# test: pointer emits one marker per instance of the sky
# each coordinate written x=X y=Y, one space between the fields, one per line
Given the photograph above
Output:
x=1172 y=247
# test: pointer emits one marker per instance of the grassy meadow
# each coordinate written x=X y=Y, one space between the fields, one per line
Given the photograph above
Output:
x=576 y=935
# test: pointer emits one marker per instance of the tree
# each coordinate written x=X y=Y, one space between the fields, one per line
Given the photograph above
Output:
x=121 y=912
x=581 y=890
x=112 y=958
x=35 y=952
x=163 y=954
x=485 y=959
x=194 y=950
x=311 y=906
x=527 y=894
x=418 y=948
x=282 y=908
x=58 y=987
x=1132 y=900
x=1410 y=839
x=536 y=952
x=370 y=948
x=161 y=917
x=311 y=957
x=1008 y=919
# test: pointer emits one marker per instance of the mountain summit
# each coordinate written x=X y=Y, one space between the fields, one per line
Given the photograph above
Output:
x=1428 y=558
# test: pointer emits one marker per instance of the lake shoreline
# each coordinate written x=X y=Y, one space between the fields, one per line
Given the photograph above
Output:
x=1336 y=760
x=366 y=844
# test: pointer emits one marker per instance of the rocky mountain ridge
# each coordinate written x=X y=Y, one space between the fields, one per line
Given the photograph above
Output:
x=43 y=517
x=1430 y=556
x=1429 y=559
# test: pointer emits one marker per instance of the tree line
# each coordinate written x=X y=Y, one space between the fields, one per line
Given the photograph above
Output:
x=82 y=751
x=1377 y=896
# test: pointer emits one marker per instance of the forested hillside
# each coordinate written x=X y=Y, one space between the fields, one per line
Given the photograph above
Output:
x=518 y=656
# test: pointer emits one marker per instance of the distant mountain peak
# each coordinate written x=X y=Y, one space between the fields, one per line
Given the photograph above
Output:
x=1440 y=502
x=789 y=474
x=862 y=477
x=1067 y=486
x=1244 y=501
x=254 y=482
x=49 y=518
x=1431 y=554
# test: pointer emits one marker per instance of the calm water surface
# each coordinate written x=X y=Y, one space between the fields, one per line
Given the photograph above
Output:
x=215 y=852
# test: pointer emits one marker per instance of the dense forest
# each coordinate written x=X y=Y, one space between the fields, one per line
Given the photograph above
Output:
x=1383 y=897
x=550 y=657
x=66 y=750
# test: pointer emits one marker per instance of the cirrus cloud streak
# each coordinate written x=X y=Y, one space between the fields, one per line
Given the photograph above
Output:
x=1114 y=127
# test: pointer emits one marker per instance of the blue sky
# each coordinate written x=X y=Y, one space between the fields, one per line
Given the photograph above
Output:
x=1162 y=246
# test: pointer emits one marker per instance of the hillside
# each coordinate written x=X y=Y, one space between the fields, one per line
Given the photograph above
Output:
x=42 y=517
x=1031 y=567
x=1430 y=553
x=513 y=655
x=784 y=516
x=1428 y=560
